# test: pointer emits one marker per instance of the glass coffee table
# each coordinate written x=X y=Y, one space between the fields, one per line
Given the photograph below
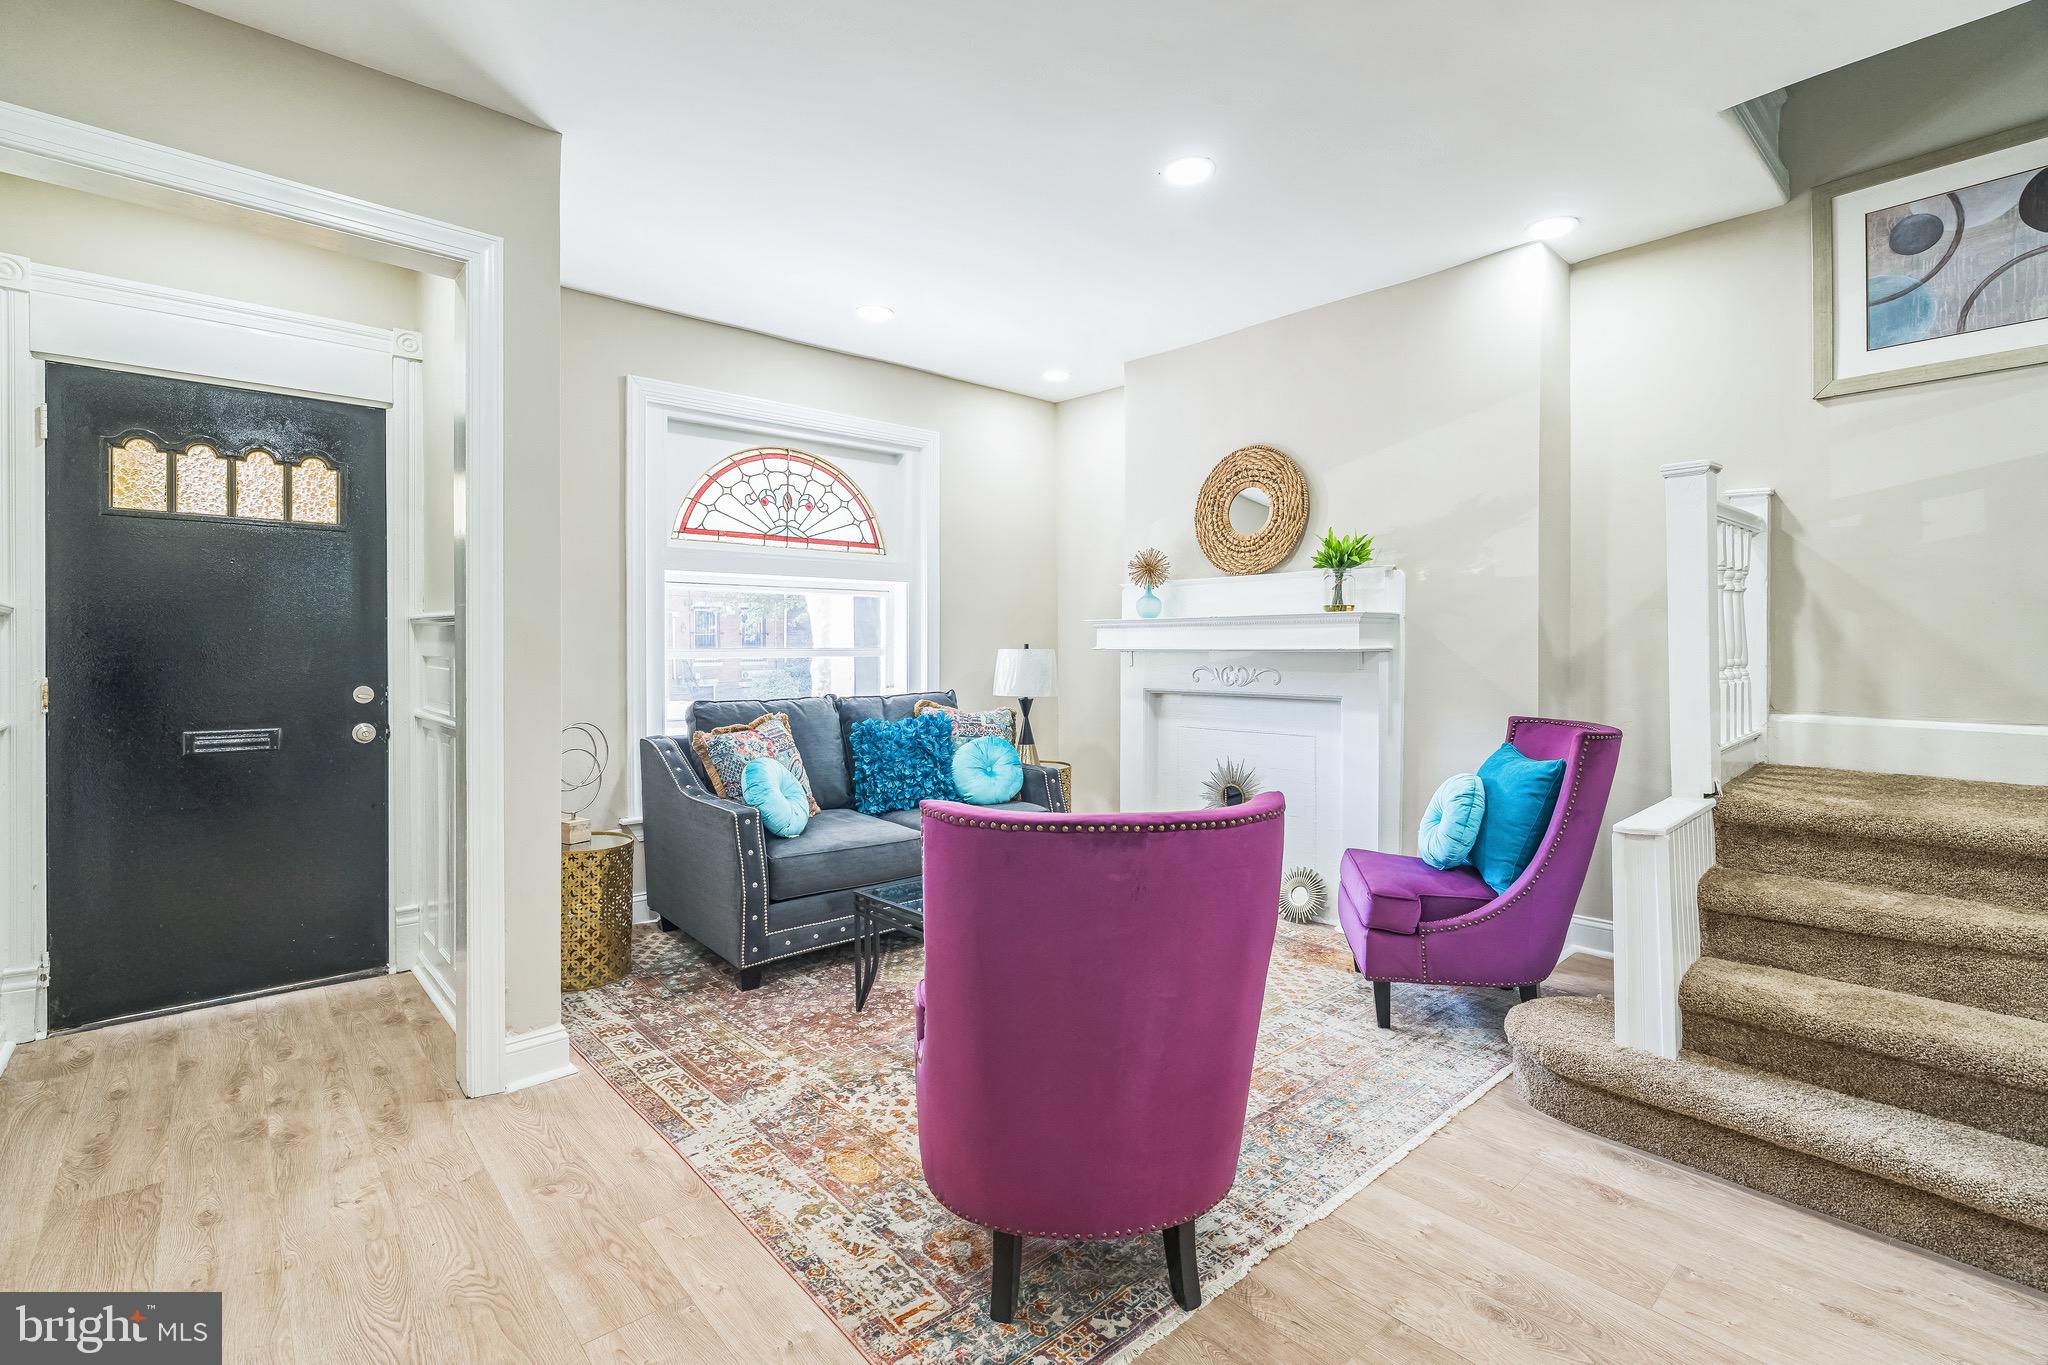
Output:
x=890 y=908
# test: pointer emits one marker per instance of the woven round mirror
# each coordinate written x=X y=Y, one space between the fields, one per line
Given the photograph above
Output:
x=1252 y=509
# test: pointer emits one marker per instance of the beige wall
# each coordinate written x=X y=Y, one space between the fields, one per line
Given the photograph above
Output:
x=52 y=225
x=1090 y=482
x=1423 y=414
x=247 y=98
x=1910 y=563
x=997 y=563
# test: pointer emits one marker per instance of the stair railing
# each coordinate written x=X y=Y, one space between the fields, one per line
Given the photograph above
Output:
x=1717 y=579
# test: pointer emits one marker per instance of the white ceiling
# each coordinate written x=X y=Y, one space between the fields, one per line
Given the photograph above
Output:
x=989 y=169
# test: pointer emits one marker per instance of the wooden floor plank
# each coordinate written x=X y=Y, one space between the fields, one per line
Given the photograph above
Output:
x=309 y=1155
x=586 y=1236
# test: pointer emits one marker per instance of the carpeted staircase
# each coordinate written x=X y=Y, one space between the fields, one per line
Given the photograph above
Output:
x=1866 y=1031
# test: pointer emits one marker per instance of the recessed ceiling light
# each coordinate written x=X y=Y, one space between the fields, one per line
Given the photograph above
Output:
x=1188 y=170
x=1055 y=376
x=1550 y=229
x=874 y=312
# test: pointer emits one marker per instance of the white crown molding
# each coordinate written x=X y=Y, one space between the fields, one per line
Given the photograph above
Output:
x=1968 y=750
x=1761 y=120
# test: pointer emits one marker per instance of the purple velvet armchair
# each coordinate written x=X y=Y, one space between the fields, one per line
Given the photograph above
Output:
x=1087 y=1019
x=1408 y=921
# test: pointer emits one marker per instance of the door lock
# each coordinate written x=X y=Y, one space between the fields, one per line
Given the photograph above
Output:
x=364 y=732
x=364 y=693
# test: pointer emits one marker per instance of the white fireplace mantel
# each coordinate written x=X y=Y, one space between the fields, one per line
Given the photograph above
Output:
x=1253 y=669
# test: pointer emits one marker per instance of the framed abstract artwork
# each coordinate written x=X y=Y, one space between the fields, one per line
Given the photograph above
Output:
x=1934 y=267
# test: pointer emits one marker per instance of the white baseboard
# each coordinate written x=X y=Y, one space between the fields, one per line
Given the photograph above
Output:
x=20 y=1010
x=1926 y=748
x=438 y=991
x=6 y=1055
x=538 y=1055
x=405 y=938
x=641 y=914
x=1593 y=936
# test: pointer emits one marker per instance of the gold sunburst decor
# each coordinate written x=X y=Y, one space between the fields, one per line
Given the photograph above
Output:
x=1304 y=896
x=1231 y=783
x=1148 y=568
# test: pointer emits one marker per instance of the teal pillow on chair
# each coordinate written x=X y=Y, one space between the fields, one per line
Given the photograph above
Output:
x=772 y=789
x=988 y=771
x=1521 y=792
x=1451 y=824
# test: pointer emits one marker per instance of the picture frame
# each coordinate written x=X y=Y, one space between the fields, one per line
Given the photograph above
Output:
x=1882 y=238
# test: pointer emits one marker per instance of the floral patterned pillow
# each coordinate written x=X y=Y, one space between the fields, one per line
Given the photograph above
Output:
x=1000 y=722
x=726 y=752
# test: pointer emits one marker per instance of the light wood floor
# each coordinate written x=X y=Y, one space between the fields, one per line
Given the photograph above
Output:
x=309 y=1155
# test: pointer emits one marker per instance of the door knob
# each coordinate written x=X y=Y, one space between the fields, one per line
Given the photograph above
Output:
x=364 y=732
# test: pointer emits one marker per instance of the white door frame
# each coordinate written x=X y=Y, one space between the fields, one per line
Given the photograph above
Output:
x=651 y=404
x=64 y=152
x=125 y=325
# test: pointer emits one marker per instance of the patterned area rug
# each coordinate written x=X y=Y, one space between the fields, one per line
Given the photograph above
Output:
x=802 y=1116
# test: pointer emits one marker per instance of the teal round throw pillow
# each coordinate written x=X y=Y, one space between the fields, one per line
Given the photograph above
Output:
x=1451 y=824
x=988 y=771
x=772 y=789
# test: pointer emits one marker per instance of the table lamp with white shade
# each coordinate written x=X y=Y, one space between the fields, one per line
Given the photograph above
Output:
x=1027 y=674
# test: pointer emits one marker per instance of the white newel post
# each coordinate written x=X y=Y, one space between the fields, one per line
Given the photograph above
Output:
x=1692 y=647
x=1717 y=575
x=1659 y=857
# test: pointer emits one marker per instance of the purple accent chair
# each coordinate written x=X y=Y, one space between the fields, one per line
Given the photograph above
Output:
x=1408 y=921
x=1086 y=1022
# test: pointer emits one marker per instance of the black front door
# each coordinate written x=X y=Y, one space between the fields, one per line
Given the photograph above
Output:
x=217 y=721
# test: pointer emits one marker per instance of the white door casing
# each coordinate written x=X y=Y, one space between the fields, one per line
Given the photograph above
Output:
x=65 y=152
x=69 y=315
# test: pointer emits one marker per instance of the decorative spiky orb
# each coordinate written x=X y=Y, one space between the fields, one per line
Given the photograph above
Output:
x=1148 y=568
x=1304 y=896
x=1231 y=783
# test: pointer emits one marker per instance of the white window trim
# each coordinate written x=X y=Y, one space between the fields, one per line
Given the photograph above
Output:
x=899 y=587
x=651 y=404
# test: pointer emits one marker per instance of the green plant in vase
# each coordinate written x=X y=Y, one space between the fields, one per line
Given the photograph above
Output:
x=1337 y=556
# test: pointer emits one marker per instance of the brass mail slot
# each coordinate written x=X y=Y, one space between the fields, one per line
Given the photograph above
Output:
x=232 y=741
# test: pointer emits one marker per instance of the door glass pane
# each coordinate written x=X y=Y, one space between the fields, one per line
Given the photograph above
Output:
x=316 y=492
x=202 y=482
x=138 y=477
x=259 y=487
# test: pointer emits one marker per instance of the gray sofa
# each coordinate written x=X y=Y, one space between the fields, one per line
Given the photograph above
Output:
x=715 y=874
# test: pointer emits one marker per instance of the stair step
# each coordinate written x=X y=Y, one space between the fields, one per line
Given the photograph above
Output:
x=1950 y=1061
x=1966 y=952
x=1977 y=1196
x=1874 y=911
x=1984 y=841
x=1991 y=819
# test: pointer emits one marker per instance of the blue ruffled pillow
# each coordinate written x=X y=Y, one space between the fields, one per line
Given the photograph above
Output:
x=1521 y=792
x=988 y=771
x=898 y=763
x=772 y=789
x=1451 y=824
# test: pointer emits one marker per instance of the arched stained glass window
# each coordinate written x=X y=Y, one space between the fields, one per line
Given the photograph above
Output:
x=775 y=496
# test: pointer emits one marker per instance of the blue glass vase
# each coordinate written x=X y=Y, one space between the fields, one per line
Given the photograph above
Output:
x=1149 y=605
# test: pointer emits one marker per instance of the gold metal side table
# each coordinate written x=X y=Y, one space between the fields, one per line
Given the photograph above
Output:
x=597 y=910
x=1066 y=772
